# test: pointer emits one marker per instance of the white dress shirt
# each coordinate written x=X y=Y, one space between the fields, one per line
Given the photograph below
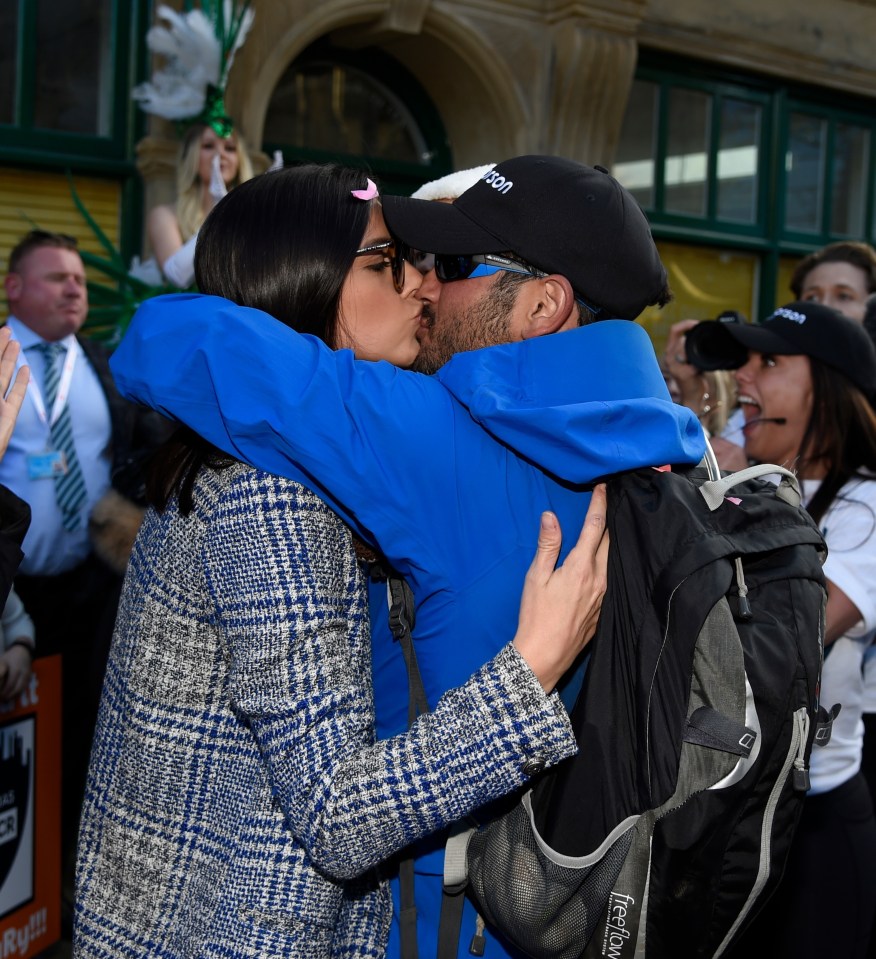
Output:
x=49 y=548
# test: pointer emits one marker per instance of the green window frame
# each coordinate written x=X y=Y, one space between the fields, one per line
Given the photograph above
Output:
x=833 y=122
x=24 y=144
x=717 y=94
x=792 y=119
x=396 y=176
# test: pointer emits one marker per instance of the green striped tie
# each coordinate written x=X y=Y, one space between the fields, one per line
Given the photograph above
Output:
x=69 y=486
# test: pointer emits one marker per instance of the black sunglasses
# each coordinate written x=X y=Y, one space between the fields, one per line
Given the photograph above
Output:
x=397 y=253
x=450 y=267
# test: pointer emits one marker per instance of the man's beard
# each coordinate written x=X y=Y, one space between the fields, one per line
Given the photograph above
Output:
x=486 y=322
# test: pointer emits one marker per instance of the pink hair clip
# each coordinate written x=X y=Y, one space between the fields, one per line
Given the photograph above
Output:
x=368 y=193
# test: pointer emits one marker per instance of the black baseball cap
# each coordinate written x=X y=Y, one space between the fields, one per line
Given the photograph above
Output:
x=800 y=328
x=557 y=215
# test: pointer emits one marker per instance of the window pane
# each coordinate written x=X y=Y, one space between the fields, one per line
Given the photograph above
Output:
x=851 y=156
x=686 y=165
x=73 y=64
x=787 y=265
x=738 y=153
x=326 y=106
x=8 y=36
x=635 y=155
x=804 y=166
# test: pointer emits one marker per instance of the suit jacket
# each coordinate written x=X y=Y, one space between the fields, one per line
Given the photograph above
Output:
x=236 y=788
x=136 y=430
x=14 y=522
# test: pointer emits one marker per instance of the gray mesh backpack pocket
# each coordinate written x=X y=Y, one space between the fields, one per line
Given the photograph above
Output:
x=546 y=903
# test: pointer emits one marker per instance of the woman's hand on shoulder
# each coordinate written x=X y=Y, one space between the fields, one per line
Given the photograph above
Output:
x=560 y=606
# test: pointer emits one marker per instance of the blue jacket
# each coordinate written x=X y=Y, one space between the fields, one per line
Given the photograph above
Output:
x=446 y=474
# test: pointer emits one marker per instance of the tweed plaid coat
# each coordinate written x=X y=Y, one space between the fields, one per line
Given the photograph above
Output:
x=237 y=801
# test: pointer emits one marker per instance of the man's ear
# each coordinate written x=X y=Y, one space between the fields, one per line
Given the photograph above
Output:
x=12 y=285
x=552 y=308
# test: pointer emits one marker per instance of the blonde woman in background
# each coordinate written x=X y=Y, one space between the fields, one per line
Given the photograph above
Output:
x=173 y=228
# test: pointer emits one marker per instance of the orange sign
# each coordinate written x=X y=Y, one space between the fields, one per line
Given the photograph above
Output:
x=30 y=815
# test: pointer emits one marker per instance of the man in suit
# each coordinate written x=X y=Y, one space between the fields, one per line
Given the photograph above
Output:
x=75 y=439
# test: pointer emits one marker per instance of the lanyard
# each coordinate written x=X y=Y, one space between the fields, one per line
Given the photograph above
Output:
x=63 y=388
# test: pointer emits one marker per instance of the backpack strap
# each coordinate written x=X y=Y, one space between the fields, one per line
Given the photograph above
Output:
x=402 y=618
x=824 y=724
x=453 y=897
x=713 y=491
x=707 y=727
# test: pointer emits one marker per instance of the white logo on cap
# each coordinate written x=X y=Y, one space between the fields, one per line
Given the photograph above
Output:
x=497 y=182
x=791 y=315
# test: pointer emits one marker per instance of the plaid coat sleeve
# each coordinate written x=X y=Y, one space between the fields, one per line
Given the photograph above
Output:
x=301 y=682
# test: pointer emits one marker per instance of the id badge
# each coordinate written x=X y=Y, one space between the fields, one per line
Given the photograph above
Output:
x=46 y=465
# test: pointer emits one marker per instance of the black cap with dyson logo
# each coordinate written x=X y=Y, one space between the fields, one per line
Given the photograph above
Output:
x=558 y=215
x=801 y=328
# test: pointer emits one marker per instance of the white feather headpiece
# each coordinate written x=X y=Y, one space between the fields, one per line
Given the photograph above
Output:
x=198 y=47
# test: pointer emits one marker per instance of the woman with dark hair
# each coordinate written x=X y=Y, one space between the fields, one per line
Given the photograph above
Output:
x=236 y=790
x=805 y=377
x=840 y=275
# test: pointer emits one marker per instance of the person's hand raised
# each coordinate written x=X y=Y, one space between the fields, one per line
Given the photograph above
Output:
x=12 y=397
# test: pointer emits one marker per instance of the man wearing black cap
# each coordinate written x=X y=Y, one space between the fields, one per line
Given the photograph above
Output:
x=543 y=245
x=447 y=473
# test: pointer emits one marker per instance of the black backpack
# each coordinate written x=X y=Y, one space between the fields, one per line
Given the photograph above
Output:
x=670 y=828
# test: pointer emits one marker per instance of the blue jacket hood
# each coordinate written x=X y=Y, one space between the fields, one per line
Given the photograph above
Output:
x=604 y=392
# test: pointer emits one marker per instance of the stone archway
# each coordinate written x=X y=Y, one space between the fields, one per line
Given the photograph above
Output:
x=535 y=78
x=469 y=81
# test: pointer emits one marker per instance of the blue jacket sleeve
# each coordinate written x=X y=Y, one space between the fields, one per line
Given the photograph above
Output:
x=400 y=455
x=371 y=439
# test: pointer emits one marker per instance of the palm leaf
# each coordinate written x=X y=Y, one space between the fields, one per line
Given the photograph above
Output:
x=108 y=267
x=102 y=238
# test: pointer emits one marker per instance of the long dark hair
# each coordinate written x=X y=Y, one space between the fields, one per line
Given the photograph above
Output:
x=840 y=434
x=283 y=243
